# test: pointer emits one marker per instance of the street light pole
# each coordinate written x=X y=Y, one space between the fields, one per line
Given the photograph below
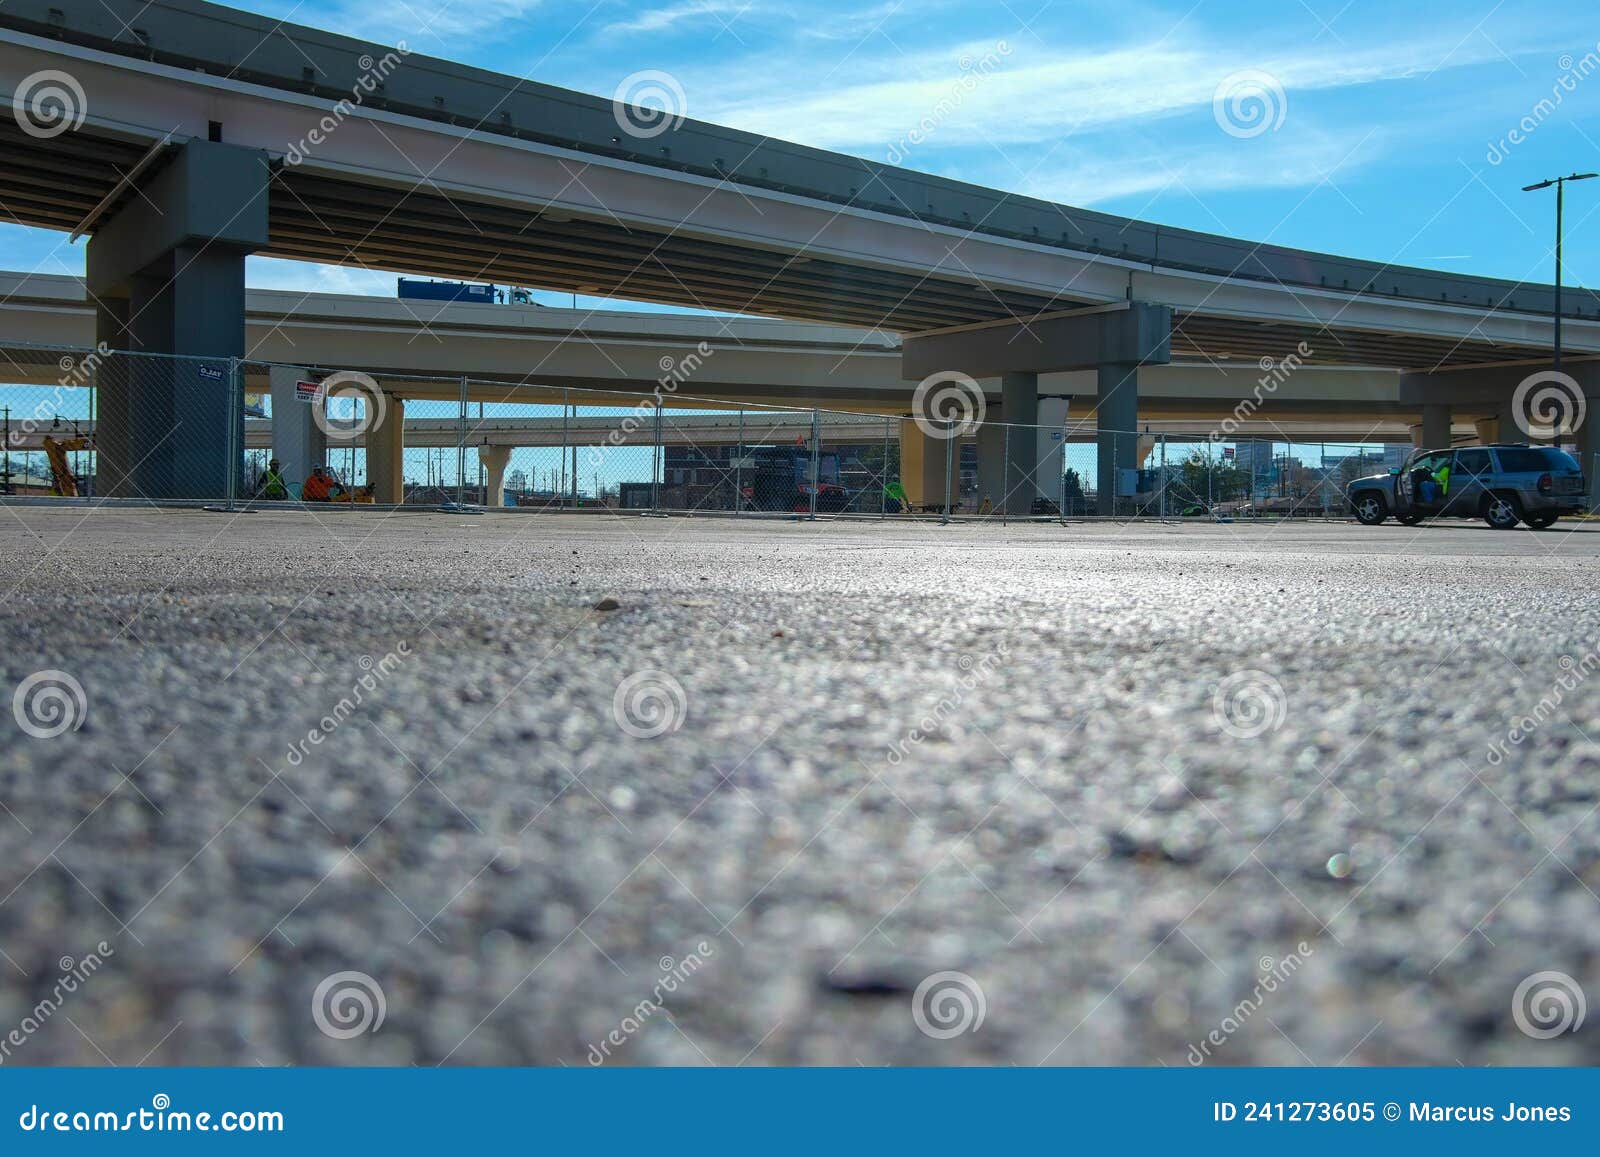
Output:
x=1561 y=190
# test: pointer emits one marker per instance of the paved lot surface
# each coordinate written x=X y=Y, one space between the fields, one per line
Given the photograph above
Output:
x=1147 y=788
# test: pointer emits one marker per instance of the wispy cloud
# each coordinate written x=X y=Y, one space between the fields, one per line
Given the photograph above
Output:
x=715 y=12
x=1036 y=98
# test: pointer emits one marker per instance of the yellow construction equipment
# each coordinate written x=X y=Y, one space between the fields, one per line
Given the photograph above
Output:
x=63 y=481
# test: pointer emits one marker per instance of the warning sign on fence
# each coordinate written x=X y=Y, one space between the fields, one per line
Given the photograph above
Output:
x=307 y=391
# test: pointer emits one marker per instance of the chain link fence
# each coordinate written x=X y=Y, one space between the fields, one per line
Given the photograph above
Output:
x=102 y=424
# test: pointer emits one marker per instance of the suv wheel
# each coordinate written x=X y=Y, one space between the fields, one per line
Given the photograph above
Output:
x=1371 y=509
x=1502 y=511
x=1541 y=521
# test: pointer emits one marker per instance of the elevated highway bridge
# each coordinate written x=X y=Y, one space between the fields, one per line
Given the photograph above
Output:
x=207 y=134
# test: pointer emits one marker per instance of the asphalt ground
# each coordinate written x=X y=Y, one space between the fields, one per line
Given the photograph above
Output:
x=1318 y=792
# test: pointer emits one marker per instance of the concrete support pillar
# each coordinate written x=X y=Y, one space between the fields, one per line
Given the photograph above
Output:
x=1487 y=429
x=922 y=466
x=112 y=434
x=494 y=460
x=1052 y=449
x=174 y=258
x=991 y=462
x=386 y=454
x=1436 y=426
x=1118 y=417
x=1019 y=405
x=298 y=442
x=1588 y=438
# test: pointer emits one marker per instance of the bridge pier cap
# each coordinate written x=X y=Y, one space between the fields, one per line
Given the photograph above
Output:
x=1123 y=333
x=210 y=197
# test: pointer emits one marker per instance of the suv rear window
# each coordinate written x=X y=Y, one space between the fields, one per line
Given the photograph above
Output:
x=1532 y=459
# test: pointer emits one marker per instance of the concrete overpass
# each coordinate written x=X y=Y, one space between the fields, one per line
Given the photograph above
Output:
x=208 y=134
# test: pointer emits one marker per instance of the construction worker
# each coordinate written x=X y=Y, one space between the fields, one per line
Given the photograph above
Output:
x=272 y=484
x=895 y=494
x=320 y=486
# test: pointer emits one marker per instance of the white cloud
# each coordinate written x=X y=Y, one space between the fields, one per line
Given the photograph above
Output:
x=717 y=12
x=310 y=277
x=1032 y=97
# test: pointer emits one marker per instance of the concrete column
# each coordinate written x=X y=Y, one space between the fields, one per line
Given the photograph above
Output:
x=991 y=461
x=1588 y=438
x=386 y=454
x=1118 y=417
x=494 y=459
x=1436 y=427
x=112 y=444
x=298 y=443
x=922 y=466
x=1019 y=405
x=1488 y=430
x=175 y=256
x=1416 y=436
x=1051 y=449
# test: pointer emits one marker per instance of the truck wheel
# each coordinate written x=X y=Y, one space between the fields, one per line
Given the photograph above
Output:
x=1371 y=509
x=1502 y=511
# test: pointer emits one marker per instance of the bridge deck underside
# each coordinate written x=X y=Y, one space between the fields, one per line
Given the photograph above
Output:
x=314 y=218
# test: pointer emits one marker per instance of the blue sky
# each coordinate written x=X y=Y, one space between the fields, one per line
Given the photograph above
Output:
x=1383 y=116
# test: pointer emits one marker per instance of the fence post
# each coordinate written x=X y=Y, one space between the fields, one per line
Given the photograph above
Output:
x=1005 y=475
x=883 y=479
x=1163 y=476
x=738 y=471
x=816 y=449
x=235 y=420
x=658 y=461
x=949 y=455
x=566 y=409
x=461 y=443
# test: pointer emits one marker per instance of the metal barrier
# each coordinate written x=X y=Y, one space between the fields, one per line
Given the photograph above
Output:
x=115 y=424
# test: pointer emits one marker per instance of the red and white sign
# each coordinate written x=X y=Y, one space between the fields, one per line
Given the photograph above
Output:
x=309 y=392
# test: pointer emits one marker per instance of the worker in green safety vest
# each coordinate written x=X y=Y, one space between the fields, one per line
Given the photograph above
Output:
x=272 y=483
x=896 y=496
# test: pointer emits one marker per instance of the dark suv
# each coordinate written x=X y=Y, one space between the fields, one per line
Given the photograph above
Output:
x=1502 y=485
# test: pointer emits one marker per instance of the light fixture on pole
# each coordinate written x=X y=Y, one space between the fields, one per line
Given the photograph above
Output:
x=1561 y=188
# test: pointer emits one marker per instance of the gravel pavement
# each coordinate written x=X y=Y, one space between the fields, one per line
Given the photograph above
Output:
x=1276 y=794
